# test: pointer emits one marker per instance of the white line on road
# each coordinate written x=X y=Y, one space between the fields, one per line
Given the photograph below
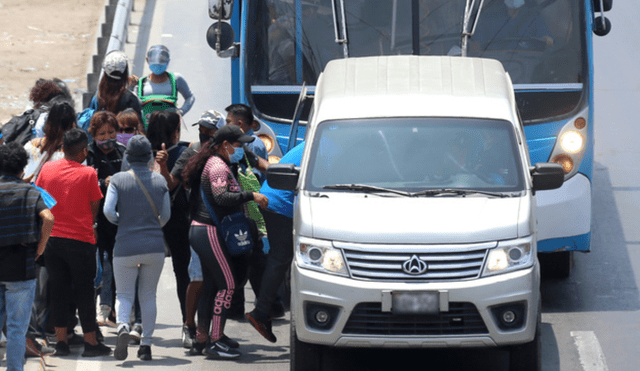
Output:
x=589 y=350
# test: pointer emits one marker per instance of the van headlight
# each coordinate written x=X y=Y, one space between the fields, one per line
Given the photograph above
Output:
x=510 y=256
x=320 y=255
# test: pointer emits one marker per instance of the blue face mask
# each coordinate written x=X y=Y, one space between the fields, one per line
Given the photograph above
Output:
x=158 y=69
x=249 y=132
x=237 y=155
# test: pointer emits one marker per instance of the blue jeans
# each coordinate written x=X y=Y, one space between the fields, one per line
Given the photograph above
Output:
x=16 y=300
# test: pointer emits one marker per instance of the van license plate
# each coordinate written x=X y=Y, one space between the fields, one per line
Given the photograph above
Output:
x=407 y=302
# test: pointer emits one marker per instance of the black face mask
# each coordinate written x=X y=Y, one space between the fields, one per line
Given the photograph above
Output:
x=204 y=138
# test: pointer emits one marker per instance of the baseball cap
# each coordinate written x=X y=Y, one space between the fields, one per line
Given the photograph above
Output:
x=114 y=64
x=158 y=54
x=211 y=119
x=231 y=133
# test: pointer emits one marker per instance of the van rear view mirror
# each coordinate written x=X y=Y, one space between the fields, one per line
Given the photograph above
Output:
x=283 y=176
x=547 y=175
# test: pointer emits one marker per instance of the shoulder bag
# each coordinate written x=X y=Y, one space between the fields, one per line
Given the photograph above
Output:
x=233 y=228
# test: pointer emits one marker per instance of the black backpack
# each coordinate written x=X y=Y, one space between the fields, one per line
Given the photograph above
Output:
x=21 y=128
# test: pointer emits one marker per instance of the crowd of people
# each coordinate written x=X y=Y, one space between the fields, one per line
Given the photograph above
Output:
x=87 y=217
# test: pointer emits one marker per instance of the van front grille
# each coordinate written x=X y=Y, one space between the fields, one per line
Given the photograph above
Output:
x=461 y=319
x=416 y=265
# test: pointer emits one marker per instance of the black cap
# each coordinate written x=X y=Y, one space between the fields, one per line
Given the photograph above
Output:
x=232 y=134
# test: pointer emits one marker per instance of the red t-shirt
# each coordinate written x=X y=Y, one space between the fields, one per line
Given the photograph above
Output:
x=74 y=186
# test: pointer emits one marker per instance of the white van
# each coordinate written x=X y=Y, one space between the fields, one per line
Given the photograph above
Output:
x=415 y=215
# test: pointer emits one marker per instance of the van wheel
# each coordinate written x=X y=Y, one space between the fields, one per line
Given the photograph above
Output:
x=556 y=264
x=304 y=356
x=527 y=357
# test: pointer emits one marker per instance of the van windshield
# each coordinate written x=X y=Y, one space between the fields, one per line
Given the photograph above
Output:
x=416 y=154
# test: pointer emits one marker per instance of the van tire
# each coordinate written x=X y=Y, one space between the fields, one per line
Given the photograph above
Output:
x=527 y=357
x=304 y=356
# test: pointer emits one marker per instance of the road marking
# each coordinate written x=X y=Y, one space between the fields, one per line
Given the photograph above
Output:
x=88 y=365
x=589 y=350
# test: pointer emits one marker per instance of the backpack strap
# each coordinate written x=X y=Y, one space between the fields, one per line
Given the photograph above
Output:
x=141 y=86
x=174 y=87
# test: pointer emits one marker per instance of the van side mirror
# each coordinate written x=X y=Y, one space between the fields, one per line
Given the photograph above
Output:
x=283 y=176
x=547 y=175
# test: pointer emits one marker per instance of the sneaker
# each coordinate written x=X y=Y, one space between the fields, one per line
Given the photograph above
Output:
x=136 y=333
x=122 y=343
x=197 y=348
x=229 y=342
x=74 y=339
x=62 y=349
x=262 y=324
x=144 y=353
x=97 y=350
x=188 y=336
x=219 y=350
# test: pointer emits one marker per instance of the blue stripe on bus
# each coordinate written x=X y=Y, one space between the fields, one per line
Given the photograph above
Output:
x=573 y=243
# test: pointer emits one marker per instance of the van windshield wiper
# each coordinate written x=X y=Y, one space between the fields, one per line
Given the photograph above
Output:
x=456 y=192
x=365 y=188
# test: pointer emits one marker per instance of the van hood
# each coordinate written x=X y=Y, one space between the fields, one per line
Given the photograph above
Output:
x=360 y=218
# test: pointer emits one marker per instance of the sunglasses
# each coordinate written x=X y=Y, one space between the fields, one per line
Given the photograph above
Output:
x=128 y=130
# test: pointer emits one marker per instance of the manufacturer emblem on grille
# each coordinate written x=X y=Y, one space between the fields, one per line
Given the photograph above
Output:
x=414 y=266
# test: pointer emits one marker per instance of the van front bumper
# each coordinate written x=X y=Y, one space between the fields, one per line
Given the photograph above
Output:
x=359 y=311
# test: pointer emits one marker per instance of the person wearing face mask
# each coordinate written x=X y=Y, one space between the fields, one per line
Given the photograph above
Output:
x=241 y=115
x=105 y=156
x=208 y=174
x=161 y=86
x=129 y=124
x=71 y=252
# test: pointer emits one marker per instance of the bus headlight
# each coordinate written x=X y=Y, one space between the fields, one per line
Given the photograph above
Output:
x=572 y=142
x=510 y=256
x=320 y=255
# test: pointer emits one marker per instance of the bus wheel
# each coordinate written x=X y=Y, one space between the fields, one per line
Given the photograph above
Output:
x=556 y=264
x=304 y=356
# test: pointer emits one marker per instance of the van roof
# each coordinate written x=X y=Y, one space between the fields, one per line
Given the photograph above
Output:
x=414 y=86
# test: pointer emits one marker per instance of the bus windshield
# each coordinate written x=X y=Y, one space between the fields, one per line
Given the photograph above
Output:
x=541 y=43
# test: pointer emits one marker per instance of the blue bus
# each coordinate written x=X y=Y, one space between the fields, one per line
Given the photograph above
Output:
x=280 y=47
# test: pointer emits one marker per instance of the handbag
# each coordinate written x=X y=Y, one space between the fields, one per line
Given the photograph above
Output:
x=249 y=182
x=234 y=230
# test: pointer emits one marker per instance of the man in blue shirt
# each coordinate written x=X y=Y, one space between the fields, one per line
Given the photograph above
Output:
x=279 y=219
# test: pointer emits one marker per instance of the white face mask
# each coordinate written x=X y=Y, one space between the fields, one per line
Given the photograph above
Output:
x=513 y=4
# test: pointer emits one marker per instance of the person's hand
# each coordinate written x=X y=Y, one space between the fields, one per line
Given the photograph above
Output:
x=107 y=181
x=261 y=200
x=162 y=156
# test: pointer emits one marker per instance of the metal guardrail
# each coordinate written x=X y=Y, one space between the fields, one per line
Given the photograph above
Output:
x=113 y=36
